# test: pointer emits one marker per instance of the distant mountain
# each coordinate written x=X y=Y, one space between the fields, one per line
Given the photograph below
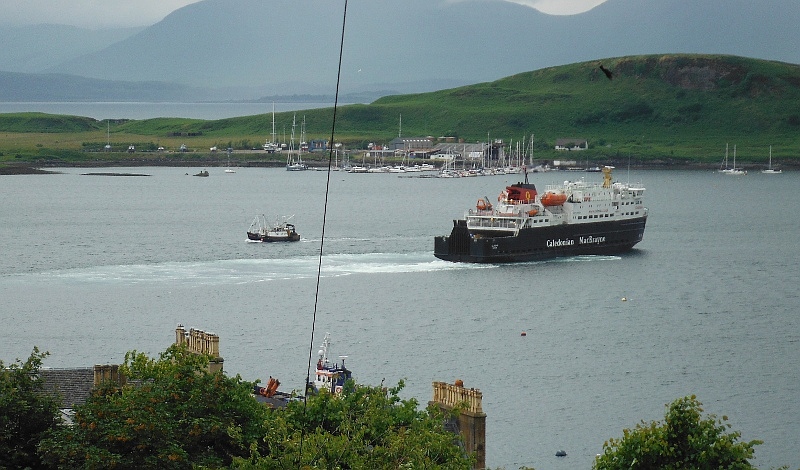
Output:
x=61 y=87
x=250 y=48
x=36 y=48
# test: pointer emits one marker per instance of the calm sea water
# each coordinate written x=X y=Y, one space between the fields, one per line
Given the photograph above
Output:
x=95 y=266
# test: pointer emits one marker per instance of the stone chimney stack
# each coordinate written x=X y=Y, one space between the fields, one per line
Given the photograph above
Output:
x=471 y=422
x=201 y=342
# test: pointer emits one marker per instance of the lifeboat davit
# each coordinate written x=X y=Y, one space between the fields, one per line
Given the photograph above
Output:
x=553 y=199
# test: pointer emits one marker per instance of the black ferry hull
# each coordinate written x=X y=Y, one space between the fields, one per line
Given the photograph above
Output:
x=597 y=238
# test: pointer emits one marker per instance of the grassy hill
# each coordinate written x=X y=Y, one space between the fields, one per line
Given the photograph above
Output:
x=666 y=108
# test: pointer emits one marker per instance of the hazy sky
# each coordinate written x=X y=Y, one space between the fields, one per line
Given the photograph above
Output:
x=113 y=13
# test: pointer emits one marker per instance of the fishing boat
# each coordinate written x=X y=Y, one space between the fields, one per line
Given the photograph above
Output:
x=770 y=170
x=573 y=218
x=261 y=231
x=330 y=376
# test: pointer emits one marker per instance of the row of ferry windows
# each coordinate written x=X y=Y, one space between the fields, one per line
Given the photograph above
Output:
x=602 y=216
x=624 y=203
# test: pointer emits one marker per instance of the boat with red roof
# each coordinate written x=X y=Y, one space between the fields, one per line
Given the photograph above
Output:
x=573 y=218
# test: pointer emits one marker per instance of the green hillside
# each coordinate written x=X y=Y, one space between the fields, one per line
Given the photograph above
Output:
x=682 y=106
x=670 y=108
x=45 y=123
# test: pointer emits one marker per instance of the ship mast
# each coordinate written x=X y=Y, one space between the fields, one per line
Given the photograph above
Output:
x=323 y=353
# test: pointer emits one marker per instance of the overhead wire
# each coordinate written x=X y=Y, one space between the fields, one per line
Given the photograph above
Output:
x=322 y=238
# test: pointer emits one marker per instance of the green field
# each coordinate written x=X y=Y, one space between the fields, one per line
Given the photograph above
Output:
x=660 y=109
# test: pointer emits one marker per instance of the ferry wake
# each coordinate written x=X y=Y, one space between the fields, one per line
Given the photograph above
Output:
x=574 y=218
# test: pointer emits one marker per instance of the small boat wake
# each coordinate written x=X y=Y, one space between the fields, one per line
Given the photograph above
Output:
x=248 y=271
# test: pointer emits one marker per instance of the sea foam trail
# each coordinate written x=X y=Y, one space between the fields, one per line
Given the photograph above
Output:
x=245 y=271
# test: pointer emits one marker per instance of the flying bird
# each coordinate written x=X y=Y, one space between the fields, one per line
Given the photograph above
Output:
x=608 y=73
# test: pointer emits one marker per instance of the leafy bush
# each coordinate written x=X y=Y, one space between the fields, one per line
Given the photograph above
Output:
x=173 y=413
x=684 y=440
x=364 y=427
x=26 y=413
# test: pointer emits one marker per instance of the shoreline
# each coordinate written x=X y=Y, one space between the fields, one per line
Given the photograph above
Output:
x=44 y=169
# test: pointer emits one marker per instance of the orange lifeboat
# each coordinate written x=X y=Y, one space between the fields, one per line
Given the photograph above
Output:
x=483 y=205
x=553 y=199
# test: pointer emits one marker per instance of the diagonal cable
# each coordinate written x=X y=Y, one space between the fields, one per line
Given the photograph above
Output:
x=322 y=240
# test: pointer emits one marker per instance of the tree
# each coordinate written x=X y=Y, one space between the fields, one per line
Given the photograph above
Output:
x=684 y=440
x=363 y=427
x=172 y=413
x=26 y=413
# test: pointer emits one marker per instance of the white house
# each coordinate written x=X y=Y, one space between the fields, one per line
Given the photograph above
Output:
x=572 y=144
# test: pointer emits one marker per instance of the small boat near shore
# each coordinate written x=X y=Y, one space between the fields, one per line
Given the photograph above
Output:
x=329 y=376
x=769 y=170
x=295 y=162
x=262 y=231
x=733 y=171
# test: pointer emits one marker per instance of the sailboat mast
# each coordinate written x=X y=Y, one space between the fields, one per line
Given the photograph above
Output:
x=273 y=122
x=291 y=139
x=532 y=142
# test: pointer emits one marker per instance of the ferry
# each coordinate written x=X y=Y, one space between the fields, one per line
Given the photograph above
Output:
x=573 y=218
